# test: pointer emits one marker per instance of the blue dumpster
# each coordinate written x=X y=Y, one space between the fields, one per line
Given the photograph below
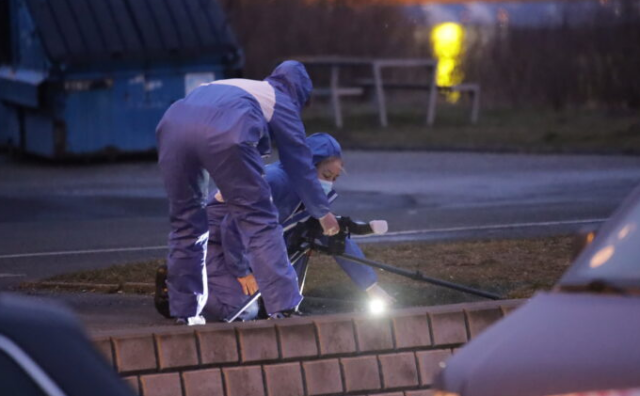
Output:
x=81 y=78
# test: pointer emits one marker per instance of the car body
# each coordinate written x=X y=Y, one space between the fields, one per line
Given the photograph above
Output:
x=44 y=351
x=583 y=336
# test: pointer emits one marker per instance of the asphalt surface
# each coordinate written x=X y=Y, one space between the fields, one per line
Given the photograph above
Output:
x=60 y=218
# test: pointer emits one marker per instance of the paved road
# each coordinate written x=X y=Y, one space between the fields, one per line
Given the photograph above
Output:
x=59 y=218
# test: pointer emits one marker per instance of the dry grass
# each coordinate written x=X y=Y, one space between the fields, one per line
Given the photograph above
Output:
x=519 y=130
x=512 y=268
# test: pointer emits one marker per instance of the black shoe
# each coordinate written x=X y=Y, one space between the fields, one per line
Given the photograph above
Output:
x=289 y=313
x=262 y=310
x=161 y=297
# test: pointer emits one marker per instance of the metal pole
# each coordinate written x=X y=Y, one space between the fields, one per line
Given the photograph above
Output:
x=335 y=95
x=417 y=275
x=382 y=107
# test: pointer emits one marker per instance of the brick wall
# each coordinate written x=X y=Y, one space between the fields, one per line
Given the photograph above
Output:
x=396 y=355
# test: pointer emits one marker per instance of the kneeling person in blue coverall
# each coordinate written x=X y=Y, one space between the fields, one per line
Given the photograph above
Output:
x=223 y=129
x=231 y=280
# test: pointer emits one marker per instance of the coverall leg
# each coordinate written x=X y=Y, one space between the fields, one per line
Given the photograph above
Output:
x=186 y=183
x=225 y=292
x=250 y=206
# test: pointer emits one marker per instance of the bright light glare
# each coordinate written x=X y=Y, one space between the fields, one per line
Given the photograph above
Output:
x=377 y=306
x=447 y=39
x=602 y=256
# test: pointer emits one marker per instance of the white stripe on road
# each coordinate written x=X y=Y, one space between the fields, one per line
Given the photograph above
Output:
x=12 y=275
x=486 y=228
x=397 y=233
x=93 y=251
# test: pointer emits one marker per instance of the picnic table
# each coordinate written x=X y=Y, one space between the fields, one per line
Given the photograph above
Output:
x=335 y=90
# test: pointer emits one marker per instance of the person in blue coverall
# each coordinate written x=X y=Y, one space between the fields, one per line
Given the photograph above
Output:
x=230 y=278
x=221 y=130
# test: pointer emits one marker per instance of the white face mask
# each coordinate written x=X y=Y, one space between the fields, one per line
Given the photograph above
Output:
x=327 y=186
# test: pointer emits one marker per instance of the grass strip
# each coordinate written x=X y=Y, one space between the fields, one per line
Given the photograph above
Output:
x=513 y=268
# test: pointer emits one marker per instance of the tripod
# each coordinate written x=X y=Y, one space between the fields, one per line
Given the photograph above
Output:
x=307 y=237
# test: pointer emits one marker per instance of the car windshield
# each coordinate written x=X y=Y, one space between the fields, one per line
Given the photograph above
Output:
x=614 y=256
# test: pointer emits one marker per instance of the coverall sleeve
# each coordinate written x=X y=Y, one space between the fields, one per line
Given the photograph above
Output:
x=296 y=159
x=362 y=275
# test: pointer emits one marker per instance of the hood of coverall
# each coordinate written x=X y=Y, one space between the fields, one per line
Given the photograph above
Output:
x=323 y=146
x=292 y=78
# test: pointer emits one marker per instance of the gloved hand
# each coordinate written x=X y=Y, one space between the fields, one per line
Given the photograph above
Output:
x=376 y=292
x=218 y=197
x=249 y=284
x=329 y=224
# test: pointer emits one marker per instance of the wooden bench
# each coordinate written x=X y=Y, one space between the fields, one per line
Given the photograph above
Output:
x=470 y=89
x=335 y=91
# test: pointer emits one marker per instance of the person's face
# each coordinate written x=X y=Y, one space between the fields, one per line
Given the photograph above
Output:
x=330 y=170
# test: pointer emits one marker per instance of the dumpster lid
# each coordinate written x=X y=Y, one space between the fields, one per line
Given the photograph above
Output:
x=86 y=31
x=25 y=76
x=20 y=86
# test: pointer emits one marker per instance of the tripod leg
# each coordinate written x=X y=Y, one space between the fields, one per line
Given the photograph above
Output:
x=417 y=275
x=302 y=267
x=240 y=310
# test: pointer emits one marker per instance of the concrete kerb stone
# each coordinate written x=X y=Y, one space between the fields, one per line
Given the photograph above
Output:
x=298 y=338
x=177 y=349
x=478 y=319
x=374 y=334
x=412 y=330
x=135 y=353
x=258 y=341
x=336 y=336
x=105 y=348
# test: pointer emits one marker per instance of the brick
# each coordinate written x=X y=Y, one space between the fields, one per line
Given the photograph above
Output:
x=412 y=331
x=361 y=373
x=387 y=394
x=258 y=343
x=424 y=392
x=480 y=319
x=297 y=340
x=133 y=383
x=336 y=336
x=507 y=309
x=323 y=377
x=399 y=370
x=430 y=363
x=203 y=383
x=284 y=379
x=217 y=346
x=177 y=349
x=134 y=353
x=103 y=345
x=161 y=385
x=373 y=334
x=448 y=328
x=243 y=381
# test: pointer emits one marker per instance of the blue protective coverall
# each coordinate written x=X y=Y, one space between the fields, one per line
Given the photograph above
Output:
x=223 y=128
x=225 y=259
